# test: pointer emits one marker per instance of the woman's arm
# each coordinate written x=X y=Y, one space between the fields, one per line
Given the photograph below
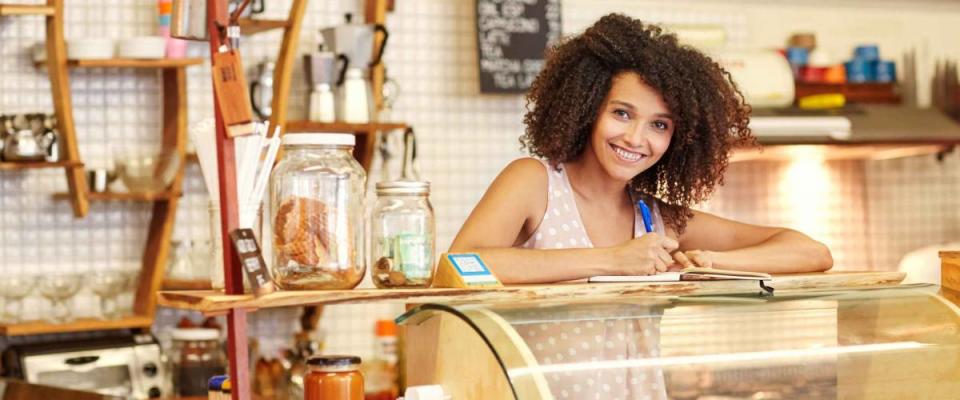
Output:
x=734 y=245
x=513 y=207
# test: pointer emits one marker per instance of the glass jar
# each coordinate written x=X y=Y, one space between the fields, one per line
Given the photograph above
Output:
x=316 y=210
x=403 y=238
x=196 y=356
x=333 y=377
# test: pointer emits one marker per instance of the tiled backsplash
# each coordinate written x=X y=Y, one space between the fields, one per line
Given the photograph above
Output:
x=870 y=213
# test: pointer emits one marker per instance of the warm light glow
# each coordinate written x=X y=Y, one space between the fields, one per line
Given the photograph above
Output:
x=806 y=188
x=716 y=358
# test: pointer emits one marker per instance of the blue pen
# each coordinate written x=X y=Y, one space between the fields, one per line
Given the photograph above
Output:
x=645 y=213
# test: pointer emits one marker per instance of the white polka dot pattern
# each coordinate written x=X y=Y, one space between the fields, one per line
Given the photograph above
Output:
x=562 y=227
x=589 y=341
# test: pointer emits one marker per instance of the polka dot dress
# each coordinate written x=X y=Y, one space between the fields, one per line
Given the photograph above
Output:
x=584 y=341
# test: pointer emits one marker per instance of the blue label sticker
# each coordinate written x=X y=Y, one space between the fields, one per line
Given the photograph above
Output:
x=468 y=264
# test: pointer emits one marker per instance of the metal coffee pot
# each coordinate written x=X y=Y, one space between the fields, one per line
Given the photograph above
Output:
x=261 y=90
x=321 y=67
x=32 y=138
x=355 y=41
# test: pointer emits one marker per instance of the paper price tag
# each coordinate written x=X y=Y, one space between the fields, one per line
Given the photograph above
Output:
x=252 y=261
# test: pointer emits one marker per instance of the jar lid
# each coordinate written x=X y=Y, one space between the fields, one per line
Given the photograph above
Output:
x=403 y=187
x=334 y=139
x=333 y=361
x=195 y=334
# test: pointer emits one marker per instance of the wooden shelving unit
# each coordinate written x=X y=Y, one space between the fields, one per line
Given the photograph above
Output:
x=26 y=9
x=174 y=125
x=135 y=63
x=183 y=284
x=80 y=325
x=124 y=196
x=215 y=302
x=835 y=152
x=15 y=166
x=250 y=26
x=60 y=91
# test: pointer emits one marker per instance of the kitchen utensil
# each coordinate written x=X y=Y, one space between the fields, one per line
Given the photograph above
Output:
x=31 y=138
x=100 y=179
x=321 y=67
x=356 y=41
x=410 y=172
x=13 y=288
x=261 y=90
x=142 y=47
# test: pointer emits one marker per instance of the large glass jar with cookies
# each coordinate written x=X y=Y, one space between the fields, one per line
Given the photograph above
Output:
x=316 y=213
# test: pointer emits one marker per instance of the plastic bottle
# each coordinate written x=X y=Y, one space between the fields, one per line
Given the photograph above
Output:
x=381 y=372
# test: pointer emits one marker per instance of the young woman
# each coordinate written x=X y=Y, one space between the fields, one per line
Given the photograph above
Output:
x=623 y=113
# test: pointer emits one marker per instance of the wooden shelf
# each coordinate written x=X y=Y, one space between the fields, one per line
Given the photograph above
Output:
x=183 y=284
x=12 y=166
x=26 y=9
x=869 y=92
x=249 y=26
x=85 y=324
x=341 y=127
x=192 y=157
x=215 y=302
x=135 y=63
x=123 y=196
x=835 y=152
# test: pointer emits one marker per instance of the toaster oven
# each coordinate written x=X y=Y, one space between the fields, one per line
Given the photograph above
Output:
x=127 y=366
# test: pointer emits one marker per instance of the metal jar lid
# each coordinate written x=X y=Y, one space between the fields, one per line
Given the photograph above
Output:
x=403 y=187
x=333 y=361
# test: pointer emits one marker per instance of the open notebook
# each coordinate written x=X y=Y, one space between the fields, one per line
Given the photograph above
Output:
x=687 y=274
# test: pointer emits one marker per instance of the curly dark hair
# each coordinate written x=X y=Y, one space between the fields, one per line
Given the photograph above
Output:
x=710 y=114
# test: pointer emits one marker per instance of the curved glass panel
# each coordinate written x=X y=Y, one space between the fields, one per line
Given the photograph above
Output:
x=895 y=342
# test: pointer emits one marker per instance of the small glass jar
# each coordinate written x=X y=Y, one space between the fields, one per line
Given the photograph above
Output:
x=333 y=377
x=196 y=355
x=316 y=210
x=403 y=235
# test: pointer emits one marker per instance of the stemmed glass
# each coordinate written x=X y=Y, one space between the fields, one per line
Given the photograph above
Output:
x=59 y=288
x=107 y=284
x=129 y=285
x=13 y=289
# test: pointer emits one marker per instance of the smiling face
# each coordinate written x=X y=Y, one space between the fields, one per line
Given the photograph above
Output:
x=633 y=129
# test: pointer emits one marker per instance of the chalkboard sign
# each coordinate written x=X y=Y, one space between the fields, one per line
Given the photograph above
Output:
x=512 y=36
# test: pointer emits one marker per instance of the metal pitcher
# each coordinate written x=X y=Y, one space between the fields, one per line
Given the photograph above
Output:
x=356 y=41
x=321 y=67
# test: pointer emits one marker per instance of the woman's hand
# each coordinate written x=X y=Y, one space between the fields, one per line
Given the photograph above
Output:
x=645 y=255
x=693 y=258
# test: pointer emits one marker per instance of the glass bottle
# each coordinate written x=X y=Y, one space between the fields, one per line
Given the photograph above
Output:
x=317 y=210
x=333 y=377
x=403 y=235
x=196 y=355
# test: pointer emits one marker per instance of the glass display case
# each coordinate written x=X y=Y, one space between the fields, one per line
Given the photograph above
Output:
x=892 y=342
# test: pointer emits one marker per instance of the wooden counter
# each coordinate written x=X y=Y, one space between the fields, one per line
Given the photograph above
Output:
x=950 y=275
x=214 y=302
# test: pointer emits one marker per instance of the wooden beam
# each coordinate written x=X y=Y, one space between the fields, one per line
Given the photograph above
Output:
x=63 y=107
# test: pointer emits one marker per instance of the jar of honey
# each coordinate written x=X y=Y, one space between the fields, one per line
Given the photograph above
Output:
x=333 y=378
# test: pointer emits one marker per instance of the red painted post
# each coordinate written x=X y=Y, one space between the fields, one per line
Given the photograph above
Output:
x=233 y=278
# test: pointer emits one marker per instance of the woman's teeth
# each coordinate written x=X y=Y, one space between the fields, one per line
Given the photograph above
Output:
x=627 y=155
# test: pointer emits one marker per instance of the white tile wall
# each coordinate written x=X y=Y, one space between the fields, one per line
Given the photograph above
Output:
x=870 y=213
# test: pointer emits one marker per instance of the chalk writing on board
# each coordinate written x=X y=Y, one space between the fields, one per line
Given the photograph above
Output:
x=512 y=36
